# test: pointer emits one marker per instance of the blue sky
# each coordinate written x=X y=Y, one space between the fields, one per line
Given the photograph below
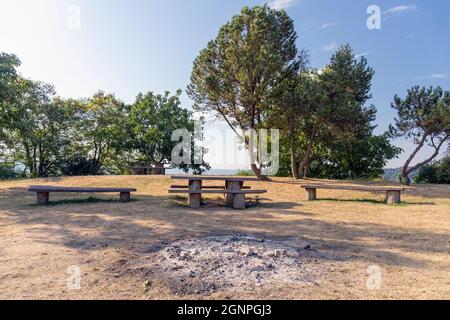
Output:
x=143 y=45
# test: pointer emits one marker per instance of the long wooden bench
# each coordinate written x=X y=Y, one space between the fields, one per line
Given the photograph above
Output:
x=393 y=194
x=43 y=192
x=238 y=196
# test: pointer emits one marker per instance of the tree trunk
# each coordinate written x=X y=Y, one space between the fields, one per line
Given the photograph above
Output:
x=404 y=178
x=304 y=165
x=254 y=167
x=405 y=172
x=303 y=169
x=293 y=147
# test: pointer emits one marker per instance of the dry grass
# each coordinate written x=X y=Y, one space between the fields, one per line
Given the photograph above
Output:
x=110 y=241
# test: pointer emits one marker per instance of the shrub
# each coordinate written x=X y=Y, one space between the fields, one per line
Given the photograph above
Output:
x=245 y=173
x=437 y=172
x=7 y=171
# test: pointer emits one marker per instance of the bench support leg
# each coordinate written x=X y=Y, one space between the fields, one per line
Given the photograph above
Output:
x=393 y=197
x=239 y=201
x=311 y=194
x=125 y=196
x=42 y=198
x=234 y=185
x=195 y=198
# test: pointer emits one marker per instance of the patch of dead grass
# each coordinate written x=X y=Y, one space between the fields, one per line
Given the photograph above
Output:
x=348 y=230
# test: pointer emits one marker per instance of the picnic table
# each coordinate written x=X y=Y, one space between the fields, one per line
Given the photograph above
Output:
x=233 y=188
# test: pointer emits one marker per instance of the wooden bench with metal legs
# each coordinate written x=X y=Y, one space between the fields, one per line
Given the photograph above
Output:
x=43 y=192
x=393 y=194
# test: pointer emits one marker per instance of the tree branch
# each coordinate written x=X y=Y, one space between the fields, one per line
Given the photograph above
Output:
x=434 y=155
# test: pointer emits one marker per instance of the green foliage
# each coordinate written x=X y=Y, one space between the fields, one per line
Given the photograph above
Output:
x=8 y=76
x=424 y=116
x=151 y=121
x=345 y=85
x=326 y=123
x=365 y=158
x=240 y=71
x=437 y=172
x=37 y=129
x=79 y=165
x=8 y=171
x=99 y=127
x=245 y=173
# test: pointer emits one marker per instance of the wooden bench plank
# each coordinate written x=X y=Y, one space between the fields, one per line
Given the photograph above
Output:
x=355 y=188
x=213 y=178
x=78 y=189
x=206 y=187
x=218 y=192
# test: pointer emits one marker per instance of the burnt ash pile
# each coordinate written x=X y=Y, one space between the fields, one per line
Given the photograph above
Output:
x=210 y=264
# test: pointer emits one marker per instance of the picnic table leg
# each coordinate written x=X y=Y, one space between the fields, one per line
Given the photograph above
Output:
x=232 y=185
x=311 y=194
x=42 y=197
x=125 y=196
x=237 y=200
x=195 y=198
x=393 y=197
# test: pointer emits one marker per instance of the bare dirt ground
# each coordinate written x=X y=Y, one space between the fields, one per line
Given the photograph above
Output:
x=281 y=248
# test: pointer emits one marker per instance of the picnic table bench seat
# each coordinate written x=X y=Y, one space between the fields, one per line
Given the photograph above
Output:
x=43 y=192
x=393 y=194
x=206 y=187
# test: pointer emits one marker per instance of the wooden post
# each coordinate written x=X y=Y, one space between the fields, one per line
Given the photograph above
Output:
x=311 y=194
x=232 y=185
x=42 y=198
x=235 y=200
x=125 y=196
x=239 y=201
x=393 y=197
x=195 y=198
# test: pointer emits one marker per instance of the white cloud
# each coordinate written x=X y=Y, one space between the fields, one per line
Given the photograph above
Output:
x=330 y=47
x=281 y=4
x=365 y=53
x=328 y=25
x=401 y=9
x=433 y=76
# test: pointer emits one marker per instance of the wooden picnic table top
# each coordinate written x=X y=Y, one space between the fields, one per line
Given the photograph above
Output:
x=360 y=188
x=213 y=178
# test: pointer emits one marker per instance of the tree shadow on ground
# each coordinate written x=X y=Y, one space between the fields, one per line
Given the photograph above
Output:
x=376 y=201
x=80 y=201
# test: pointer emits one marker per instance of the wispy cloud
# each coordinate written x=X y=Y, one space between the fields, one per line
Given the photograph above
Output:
x=327 y=25
x=330 y=47
x=281 y=4
x=433 y=76
x=366 y=53
x=401 y=9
